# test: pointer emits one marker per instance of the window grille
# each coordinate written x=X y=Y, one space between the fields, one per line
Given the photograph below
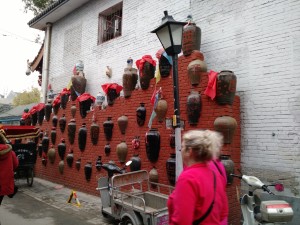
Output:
x=110 y=24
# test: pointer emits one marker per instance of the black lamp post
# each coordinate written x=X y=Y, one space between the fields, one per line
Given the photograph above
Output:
x=170 y=35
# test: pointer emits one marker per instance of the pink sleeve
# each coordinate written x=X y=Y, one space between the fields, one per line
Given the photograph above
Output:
x=184 y=199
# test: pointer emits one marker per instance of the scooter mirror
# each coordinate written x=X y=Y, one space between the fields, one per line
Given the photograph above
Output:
x=128 y=163
x=279 y=187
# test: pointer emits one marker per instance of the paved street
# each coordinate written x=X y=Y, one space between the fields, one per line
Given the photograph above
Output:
x=45 y=203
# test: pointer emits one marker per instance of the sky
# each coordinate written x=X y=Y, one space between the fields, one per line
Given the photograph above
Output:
x=17 y=44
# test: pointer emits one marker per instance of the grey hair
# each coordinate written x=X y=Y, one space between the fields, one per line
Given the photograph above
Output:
x=206 y=144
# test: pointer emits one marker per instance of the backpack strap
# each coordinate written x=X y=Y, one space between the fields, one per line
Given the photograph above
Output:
x=198 y=221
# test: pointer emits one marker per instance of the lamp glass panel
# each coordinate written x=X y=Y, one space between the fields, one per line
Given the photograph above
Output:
x=164 y=37
x=176 y=30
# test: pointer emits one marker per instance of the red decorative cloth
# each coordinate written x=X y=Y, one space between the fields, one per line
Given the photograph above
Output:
x=65 y=91
x=56 y=101
x=25 y=115
x=40 y=106
x=159 y=53
x=211 y=88
x=140 y=63
x=115 y=86
x=32 y=110
x=85 y=96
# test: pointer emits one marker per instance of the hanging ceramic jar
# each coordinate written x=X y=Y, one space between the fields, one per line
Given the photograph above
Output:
x=129 y=81
x=98 y=163
x=64 y=98
x=195 y=68
x=53 y=135
x=152 y=141
x=100 y=98
x=88 y=171
x=54 y=121
x=61 y=166
x=191 y=37
x=147 y=74
x=161 y=110
x=122 y=150
x=122 y=123
x=226 y=125
x=172 y=140
x=193 y=107
x=107 y=149
x=44 y=160
x=84 y=107
x=141 y=114
x=71 y=131
x=82 y=135
x=62 y=123
x=108 y=126
x=229 y=167
x=48 y=110
x=226 y=87
x=40 y=115
x=45 y=143
x=136 y=163
x=73 y=110
x=55 y=108
x=77 y=164
x=95 y=129
x=153 y=175
x=70 y=158
x=34 y=118
x=171 y=168
x=112 y=94
x=61 y=148
x=51 y=154
x=78 y=86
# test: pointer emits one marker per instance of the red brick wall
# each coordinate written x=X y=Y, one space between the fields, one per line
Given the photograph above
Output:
x=210 y=111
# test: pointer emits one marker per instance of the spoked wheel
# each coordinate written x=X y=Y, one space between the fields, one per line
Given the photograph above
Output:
x=127 y=221
x=29 y=177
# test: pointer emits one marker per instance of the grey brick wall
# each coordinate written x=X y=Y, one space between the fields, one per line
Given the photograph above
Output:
x=257 y=39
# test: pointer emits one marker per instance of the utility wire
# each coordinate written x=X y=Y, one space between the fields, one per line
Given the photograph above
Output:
x=9 y=34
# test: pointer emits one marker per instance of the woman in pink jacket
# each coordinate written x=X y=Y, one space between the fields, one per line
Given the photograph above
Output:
x=199 y=195
x=8 y=163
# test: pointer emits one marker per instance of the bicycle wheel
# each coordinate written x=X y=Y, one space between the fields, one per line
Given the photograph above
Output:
x=29 y=177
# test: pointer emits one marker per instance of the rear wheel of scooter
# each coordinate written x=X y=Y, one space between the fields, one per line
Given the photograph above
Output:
x=127 y=221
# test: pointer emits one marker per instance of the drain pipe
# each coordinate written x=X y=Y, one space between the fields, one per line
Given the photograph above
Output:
x=45 y=73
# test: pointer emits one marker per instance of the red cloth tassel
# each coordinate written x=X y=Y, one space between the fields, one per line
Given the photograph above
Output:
x=211 y=88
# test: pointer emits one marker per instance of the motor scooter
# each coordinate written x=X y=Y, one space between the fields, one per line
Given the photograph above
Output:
x=257 y=212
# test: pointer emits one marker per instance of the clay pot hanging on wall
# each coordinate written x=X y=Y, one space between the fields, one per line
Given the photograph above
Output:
x=122 y=150
x=107 y=149
x=161 y=110
x=152 y=141
x=41 y=114
x=129 y=79
x=45 y=143
x=226 y=87
x=171 y=168
x=146 y=75
x=195 y=68
x=108 y=126
x=54 y=121
x=88 y=171
x=53 y=135
x=70 y=158
x=73 y=110
x=226 y=125
x=77 y=164
x=98 y=163
x=84 y=107
x=193 y=107
x=141 y=114
x=95 y=130
x=64 y=98
x=111 y=96
x=123 y=123
x=78 y=86
x=164 y=66
x=136 y=163
x=62 y=123
x=82 y=136
x=48 y=110
x=51 y=154
x=191 y=37
x=71 y=131
x=153 y=175
x=61 y=166
x=229 y=167
x=34 y=118
x=61 y=148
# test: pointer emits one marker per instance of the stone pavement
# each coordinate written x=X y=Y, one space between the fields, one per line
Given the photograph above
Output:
x=57 y=196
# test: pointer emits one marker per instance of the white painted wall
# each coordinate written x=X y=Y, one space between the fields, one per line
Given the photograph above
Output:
x=257 y=39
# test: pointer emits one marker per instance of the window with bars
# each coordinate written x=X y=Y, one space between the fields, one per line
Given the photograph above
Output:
x=110 y=24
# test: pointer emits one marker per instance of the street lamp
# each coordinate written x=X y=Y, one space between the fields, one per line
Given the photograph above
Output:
x=170 y=35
